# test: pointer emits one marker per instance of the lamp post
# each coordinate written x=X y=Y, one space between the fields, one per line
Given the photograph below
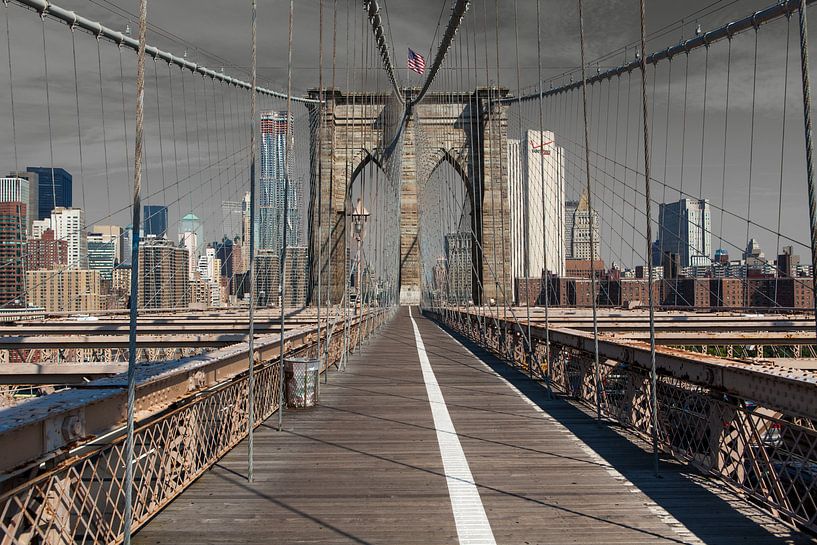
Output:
x=360 y=215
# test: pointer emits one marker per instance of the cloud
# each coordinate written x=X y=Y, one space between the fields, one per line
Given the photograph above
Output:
x=221 y=32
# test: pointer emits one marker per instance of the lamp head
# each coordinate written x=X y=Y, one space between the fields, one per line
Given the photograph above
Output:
x=360 y=215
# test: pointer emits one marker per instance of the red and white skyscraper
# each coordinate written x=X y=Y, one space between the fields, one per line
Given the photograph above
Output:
x=536 y=186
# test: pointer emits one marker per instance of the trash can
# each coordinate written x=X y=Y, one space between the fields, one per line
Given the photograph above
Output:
x=302 y=375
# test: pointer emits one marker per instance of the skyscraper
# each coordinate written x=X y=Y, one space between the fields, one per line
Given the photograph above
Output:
x=191 y=223
x=55 y=189
x=570 y=211
x=101 y=255
x=232 y=218
x=267 y=278
x=64 y=290
x=163 y=274
x=191 y=243
x=460 y=277
x=111 y=233
x=296 y=278
x=69 y=225
x=38 y=227
x=156 y=220
x=224 y=252
x=787 y=262
x=577 y=226
x=127 y=243
x=685 y=228
x=191 y=235
x=21 y=187
x=275 y=188
x=12 y=242
x=536 y=196
x=245 y=231
x=45 y=252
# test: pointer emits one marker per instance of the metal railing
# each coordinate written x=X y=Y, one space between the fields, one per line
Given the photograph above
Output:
x=762 y=452
x=80 y=499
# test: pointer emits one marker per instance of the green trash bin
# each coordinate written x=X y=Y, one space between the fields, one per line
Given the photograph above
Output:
x=302 y=375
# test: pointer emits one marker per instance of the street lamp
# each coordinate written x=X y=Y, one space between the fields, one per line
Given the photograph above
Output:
x=359 y=218
x=360 y=215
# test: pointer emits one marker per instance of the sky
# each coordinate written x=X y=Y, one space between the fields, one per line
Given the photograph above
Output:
x=216 y=34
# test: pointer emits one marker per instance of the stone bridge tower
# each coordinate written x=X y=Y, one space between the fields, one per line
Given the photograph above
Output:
x=468 y=130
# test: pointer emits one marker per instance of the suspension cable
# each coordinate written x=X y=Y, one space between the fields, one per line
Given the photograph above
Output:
x=287 y=181
x=457 y=14
x=134 y=283
x=591 y=213
x=812 y=200
x=648 y=213
x=373 y=12
x=45 y=7
x=726 y=31
x=251 y=263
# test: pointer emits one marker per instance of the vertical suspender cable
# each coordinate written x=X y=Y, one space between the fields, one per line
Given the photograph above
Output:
x=11 y=89
x=748 y=294
x=526 y=177
x=650 y=297
x=287 y=169
x=812 y=205
x=320 y=107
x=344 y=352
x=329 y=223
x=782 y=145
x=79 y=124
x=500 y=151
x=50 y=128
x=124 y=112
x=134 y=277
x=546 y=276
x=592 y=223
x=725 y=141
x=251 y=261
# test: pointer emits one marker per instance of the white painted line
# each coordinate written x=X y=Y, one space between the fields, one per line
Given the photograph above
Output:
x=472 y=523
x=687 y=535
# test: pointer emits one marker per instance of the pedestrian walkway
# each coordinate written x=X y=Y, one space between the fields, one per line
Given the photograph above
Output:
x=422 y=441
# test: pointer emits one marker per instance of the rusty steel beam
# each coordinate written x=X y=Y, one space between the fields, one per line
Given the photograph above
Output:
x=118 y=341
x=53 y=373
x=154 y=330
x=721 y=338
x=792 y=391
x=26 y=316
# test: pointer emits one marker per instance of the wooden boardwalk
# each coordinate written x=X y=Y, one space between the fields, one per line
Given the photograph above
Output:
x=366 y=467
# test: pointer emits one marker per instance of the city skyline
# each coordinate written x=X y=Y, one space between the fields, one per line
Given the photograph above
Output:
x=540 y=271
x=100 y=186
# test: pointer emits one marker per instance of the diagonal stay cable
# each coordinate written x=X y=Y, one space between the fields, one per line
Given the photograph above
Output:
x=46 y=8
x=373 y=12
x=454 y=22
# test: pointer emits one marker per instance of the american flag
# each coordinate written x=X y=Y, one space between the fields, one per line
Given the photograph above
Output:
x=416 y=62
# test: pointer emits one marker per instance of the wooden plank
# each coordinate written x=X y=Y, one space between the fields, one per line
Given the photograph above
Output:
x=364 y=467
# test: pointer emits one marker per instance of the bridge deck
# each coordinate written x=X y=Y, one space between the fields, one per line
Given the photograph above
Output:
x=366 y=467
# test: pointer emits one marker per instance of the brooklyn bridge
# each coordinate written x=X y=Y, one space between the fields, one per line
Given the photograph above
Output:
x=548 y=278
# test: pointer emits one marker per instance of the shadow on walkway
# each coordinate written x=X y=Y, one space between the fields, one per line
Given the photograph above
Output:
x=678 y=490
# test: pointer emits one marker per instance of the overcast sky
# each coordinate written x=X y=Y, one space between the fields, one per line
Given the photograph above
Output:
x=216 y=34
